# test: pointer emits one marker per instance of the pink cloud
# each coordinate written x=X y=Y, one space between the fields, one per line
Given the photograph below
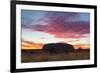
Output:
x=69 y=30
x=58 y=25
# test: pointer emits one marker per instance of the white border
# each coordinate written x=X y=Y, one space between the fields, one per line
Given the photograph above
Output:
x=20 y=65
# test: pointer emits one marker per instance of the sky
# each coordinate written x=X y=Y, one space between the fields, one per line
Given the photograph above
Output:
x=42 y=27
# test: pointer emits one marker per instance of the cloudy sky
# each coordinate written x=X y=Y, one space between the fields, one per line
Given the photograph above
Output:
x=42 y=27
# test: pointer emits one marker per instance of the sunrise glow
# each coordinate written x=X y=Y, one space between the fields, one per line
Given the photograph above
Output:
x=42 y=27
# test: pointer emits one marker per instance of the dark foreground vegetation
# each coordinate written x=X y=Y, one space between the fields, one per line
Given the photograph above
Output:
x=54 y=52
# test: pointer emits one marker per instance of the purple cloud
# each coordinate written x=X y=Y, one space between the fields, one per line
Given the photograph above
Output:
x=62 y=24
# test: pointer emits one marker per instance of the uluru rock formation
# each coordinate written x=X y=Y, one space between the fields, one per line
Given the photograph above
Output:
x=58 y=47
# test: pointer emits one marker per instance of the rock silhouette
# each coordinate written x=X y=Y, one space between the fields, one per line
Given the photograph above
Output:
x=58 y=47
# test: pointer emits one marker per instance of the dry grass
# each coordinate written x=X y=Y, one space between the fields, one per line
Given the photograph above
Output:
x=41 y=56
